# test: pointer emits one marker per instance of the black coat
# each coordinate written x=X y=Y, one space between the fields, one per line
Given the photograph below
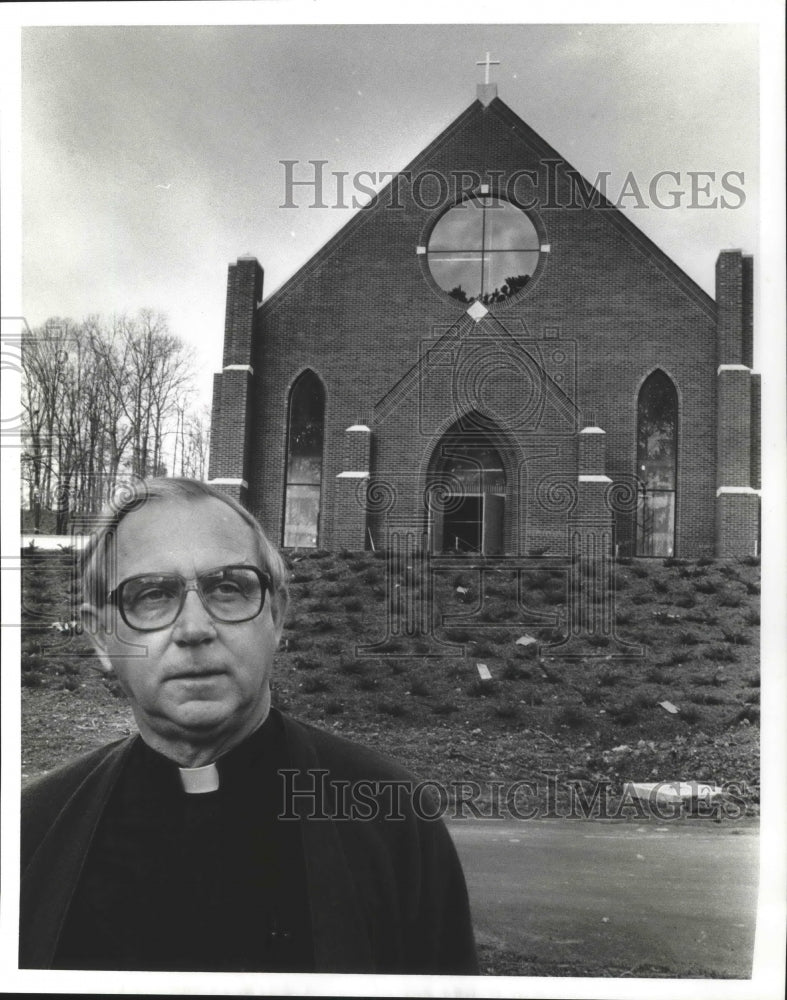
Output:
x=386 y=895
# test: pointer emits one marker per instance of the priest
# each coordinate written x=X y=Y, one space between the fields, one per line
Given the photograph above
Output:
x=215 y=839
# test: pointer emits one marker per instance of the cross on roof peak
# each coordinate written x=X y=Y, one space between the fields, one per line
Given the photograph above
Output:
x=486 y=63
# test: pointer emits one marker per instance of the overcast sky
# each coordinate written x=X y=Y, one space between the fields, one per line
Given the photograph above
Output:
x=151 y=154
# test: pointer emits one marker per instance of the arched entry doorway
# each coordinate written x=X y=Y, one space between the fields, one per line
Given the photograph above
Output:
x=466 y=489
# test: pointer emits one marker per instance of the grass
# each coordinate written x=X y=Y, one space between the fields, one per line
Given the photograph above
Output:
x=482 y=689
x=735 y=638
x=392 y=708
x=572 y=717
x=629 y=711
x=722 y=654
x=324 y=625
x=514 y=671
x=353 y=667
x=315 y=685
x=708 y=698
x=678 y=657
x=305 y=663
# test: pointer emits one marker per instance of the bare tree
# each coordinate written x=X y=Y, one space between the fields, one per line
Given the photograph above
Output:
x=196 y=443
x=101 y=398
x=44 y=360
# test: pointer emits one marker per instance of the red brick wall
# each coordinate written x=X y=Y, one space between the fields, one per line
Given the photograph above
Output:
x=738 y=524
x=734 y=428
x=360 y=312
x=756 y=416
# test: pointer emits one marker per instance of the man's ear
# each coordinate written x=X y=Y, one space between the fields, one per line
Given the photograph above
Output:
x=92 y=618
x=278 y=611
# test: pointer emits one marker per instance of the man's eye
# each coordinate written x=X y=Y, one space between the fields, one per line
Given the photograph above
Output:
x=150 y=593
x=225 y=588
x=153 y=595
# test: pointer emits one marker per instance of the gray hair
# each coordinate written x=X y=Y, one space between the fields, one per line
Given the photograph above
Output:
x=100 y=552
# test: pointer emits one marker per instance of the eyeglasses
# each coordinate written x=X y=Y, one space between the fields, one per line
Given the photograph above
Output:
x=153 y=601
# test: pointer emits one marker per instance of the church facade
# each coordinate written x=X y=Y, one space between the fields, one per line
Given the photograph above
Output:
x=485 y=353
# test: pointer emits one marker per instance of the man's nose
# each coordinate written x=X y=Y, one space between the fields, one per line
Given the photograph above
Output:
x=193 y=625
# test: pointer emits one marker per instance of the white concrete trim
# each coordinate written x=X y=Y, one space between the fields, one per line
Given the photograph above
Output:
x=357 y=427
x=228 y=482
x=353 y=475
x=420 y=251
x=732 y=368
x=546 y=247
x=738 y=489
x=594 y=479
x=477 y=311
x=592 y=430
x=238 y=368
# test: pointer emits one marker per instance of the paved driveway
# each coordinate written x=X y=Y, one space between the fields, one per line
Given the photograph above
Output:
x=681 y=895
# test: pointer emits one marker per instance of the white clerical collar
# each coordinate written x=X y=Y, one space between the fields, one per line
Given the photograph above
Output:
x=198 y=780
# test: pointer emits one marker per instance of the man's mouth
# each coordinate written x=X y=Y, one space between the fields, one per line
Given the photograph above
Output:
x=196 y=675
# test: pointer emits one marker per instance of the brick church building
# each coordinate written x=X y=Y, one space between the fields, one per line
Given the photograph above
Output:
x=487 y=350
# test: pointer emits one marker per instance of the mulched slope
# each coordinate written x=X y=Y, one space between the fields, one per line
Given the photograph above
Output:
x=590 y=718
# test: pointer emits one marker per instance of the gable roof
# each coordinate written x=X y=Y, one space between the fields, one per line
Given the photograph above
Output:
x=365 y=214
x=618 y=219
x=606 y=210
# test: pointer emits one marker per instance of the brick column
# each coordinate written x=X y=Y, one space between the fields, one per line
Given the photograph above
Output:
x=729 y=307
x=592 y=480
x=592 y=451
x=590 y=540
x=756 y=416
x=737 y=521
x=737 y=500
x=233 y=388
x=350 y=505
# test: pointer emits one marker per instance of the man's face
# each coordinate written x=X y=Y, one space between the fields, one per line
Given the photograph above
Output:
x=197 y=681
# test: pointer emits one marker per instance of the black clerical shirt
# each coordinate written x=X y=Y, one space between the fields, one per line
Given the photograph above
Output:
x=202 y=882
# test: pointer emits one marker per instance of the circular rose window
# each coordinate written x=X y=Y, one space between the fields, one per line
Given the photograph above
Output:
x=484 y=249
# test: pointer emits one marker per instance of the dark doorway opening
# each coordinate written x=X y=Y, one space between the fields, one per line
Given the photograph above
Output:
x=462 y=525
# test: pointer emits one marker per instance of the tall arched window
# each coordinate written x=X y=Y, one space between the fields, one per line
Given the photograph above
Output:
x=305 y=426
x=657 y=465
